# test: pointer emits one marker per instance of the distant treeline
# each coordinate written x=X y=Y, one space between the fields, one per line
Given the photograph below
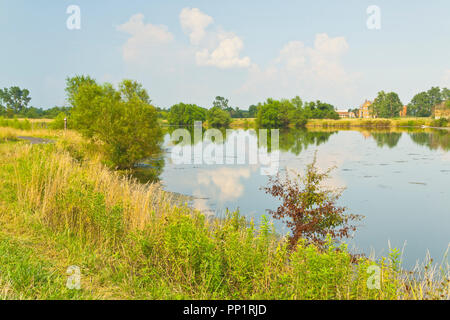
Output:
x=269 y=114
x=14 y=103
x=272 y=113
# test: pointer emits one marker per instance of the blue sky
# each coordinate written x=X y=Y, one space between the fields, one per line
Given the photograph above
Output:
x=247 y=51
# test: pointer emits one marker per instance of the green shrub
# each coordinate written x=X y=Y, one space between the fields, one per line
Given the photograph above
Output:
x=186 y=114
x=441 y=122
x=58 y=123
x=218 y=118
x=15 y=123
x=122 y=119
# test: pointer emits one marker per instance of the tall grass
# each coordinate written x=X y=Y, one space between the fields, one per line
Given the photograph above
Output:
x=370 y=123
x=135 y=241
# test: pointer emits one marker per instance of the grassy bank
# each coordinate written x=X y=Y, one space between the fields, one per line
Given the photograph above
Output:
x=24 y=124
x=373 y=123
x=60 y=207
x=354 y=123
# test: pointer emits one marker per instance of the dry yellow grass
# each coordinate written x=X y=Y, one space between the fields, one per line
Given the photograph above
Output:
x=243 y=122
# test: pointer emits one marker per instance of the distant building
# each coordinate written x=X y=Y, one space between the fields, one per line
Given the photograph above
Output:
x=404 y=111
x=345 y=114
x=364 y=111
x=441 y=111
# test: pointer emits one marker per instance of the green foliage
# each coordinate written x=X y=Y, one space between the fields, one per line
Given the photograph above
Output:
x=186 y=114
x=73 y=84
x=281 y=113
x=13 y=101
x=308 y=209
x=58 y=123
x=386 y=105
x=28 y=275
x=71 y=216
x=441 y=122
x=422 y=104
x=221 y=103
x=320 y=110
x=218 y=118
x=252 y=111
x=122 y=119
x=15 y=123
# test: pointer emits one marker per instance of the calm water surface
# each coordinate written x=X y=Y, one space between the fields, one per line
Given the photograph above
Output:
x=399 y=180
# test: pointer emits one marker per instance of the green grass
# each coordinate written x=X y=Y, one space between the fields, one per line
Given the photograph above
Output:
x=371 y=123
x=133 y=241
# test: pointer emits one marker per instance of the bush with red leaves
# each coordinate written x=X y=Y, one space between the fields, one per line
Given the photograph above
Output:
x=309 y=210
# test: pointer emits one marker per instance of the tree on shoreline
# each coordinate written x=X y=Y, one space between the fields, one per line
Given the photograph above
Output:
x=386 y=105
x=121 y=118
x=310 y=210
x=422 y=104
x=185 y=114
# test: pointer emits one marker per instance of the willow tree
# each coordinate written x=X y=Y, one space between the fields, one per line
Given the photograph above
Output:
x=122 y=119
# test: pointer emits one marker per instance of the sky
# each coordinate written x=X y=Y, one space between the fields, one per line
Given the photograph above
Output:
x=341 y=52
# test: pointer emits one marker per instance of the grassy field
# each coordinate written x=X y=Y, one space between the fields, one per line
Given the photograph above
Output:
x=243 y=123
x=374 y=123
x=352 y=123
x=60 y=207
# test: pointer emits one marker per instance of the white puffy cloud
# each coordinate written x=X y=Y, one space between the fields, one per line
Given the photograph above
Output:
x=306 y=71
x=226 y=55
x=214 y=48
x=194 y=22
x=322 y=62
x=143 y=38
x=148 y=43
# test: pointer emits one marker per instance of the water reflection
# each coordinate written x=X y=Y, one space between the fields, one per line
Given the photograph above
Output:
x=294 y=141
x=389 y=139
x=438 y=139
x=297 y=140
x=398 y=179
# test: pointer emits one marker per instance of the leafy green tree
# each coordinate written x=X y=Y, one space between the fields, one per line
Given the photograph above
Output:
x=435 y=96
x=52 y=113
x=386 y=105
x=73 y=84
x=217 y=117
x=186 y=114
x=2 y=108
x=445 y=94
x=252 y=111
x=281 y=113
x=15 y=100
x=122 y=119
x=422 y=104
x=58 y=122
x=221 y=103
x=320 y=110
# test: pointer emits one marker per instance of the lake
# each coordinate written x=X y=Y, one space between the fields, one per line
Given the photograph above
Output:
x=398 y=179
